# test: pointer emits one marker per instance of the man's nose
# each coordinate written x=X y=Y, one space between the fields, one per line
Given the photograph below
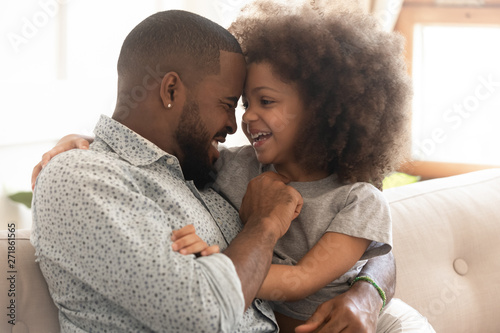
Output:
x=231 y=125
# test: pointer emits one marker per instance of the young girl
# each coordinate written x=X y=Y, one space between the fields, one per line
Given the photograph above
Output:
x=326 y=105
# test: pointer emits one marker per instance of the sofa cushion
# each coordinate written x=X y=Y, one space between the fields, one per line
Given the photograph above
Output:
x=447 y=245
x=33 y=308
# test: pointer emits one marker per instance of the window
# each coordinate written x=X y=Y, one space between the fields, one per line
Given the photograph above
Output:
x=453 y=54
x=457 y=93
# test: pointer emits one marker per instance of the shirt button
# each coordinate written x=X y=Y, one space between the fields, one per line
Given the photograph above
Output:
x=170 y=161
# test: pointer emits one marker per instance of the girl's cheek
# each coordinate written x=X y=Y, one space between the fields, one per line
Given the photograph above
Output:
x=282 y=118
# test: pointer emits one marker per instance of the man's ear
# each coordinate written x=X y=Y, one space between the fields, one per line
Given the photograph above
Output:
x=172 y=90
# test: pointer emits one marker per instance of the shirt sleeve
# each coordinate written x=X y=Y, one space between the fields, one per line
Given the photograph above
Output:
x=366 y=215
x=93 y=227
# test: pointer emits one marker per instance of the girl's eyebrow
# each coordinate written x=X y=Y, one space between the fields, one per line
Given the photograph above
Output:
x=256 y=89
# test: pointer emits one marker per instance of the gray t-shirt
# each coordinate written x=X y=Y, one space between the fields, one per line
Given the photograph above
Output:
x=356 y=209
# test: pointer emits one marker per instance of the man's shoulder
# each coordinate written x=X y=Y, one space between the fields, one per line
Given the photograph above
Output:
x=75 y=158
x=78 y=166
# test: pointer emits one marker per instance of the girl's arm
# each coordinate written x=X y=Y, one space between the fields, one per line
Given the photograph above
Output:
x=330 y=258
x=71 y=141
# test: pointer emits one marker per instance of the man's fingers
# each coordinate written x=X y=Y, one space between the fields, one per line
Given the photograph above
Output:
x=313 y=322
x=324 y=320
x=300 y=203
x=275 y=176
x=298 y=198
x=307 y=328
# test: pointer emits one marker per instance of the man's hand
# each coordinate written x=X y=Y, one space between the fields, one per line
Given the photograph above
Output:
x=268 y=198
x=350 y=312
x=72 y=141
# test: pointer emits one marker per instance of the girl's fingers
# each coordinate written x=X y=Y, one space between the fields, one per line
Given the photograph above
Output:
x=185 y=241
x=184 y=231
x=81 y=144
x=210 y=250
x=194 y=248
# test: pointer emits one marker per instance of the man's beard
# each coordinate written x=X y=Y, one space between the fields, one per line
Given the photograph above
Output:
x=194 y=142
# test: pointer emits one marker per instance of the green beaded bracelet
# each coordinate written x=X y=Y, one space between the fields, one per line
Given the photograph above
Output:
x=373 y=283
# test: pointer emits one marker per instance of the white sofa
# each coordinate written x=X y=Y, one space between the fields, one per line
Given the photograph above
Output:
x=446 y=244
x=447 y=248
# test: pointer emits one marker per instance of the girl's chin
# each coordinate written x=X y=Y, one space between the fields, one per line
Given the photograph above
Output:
x=263 y=159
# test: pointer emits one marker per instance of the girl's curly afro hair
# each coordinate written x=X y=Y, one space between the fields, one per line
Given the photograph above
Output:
x=351 y=76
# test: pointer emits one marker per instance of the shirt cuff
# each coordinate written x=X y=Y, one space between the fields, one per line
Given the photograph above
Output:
x=226 y=287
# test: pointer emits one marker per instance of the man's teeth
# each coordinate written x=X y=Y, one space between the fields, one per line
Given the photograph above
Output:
x=260 y=136
x=215 y=143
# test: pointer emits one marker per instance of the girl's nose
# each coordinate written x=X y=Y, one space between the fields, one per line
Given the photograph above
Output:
x=249 y=115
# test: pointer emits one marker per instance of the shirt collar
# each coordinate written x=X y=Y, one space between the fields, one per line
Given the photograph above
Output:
x=128 y=144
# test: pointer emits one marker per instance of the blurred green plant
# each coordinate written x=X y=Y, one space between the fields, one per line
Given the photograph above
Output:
x=397 y=179
x=22 y=197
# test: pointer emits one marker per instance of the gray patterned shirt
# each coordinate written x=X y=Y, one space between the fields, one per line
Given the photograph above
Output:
x=102 y=221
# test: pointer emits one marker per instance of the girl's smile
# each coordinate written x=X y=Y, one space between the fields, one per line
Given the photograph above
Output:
x=273 y=120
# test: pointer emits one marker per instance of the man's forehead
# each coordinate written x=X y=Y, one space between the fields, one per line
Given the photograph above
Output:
x=231 y=78
x=231 y=62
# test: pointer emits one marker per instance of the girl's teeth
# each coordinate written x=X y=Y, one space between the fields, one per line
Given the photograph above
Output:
x=258 y=135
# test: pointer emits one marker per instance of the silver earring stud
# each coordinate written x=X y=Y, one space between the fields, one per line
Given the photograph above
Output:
x=169 y=106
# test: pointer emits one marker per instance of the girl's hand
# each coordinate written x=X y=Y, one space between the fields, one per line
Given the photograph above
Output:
x=187 y=242
x=72 y=141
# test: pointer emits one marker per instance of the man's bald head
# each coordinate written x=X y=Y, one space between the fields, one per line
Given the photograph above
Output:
x=177 y=41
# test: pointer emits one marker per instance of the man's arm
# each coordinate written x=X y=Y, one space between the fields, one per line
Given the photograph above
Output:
x=383 y=270
x=357 y=309
x=95 y=228
x=267 y=209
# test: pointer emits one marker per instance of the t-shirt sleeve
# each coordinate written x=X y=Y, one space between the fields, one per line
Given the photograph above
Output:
x=235 y=167
x=365 y=214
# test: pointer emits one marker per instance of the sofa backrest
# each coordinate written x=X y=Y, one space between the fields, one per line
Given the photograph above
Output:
x=446 y=235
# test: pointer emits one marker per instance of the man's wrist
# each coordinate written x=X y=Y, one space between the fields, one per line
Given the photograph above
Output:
x=369 y=293
x=368 y=279
x=265 y=227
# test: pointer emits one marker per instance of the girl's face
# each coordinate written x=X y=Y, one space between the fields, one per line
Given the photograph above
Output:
x=273 y=117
